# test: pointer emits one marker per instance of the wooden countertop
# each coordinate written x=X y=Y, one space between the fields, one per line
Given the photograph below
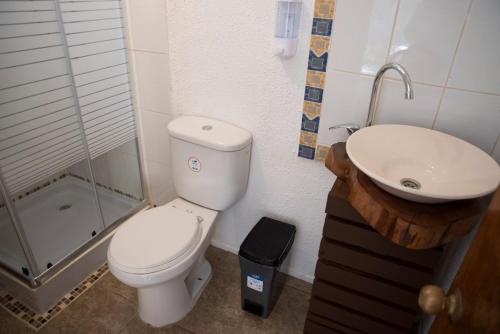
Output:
x=409 y=224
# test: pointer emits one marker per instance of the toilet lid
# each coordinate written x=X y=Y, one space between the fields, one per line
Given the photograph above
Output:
x=154 y=237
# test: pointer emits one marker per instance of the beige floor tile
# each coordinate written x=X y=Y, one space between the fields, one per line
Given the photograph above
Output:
x=288 y=315
x=11 y=325
x=111 y=307
x=136 y=326
x=109 y=282
x=298 y=284
x=218 y=309
x=99 y=310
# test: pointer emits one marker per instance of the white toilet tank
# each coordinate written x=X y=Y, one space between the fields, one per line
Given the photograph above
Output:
x=210 y=160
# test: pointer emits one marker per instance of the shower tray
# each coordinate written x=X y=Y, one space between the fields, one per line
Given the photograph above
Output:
x=69 y=217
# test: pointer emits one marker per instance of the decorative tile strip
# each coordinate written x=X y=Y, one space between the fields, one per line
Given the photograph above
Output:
x=321 y=152
x=37 y=320
x=118 y=191
x=40 y=186
x=55 y=179
x=321 y=35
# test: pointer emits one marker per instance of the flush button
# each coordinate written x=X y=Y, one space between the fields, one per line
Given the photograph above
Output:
x=206 y=127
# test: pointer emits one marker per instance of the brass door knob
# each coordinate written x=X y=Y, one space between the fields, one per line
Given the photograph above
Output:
x=432 y=300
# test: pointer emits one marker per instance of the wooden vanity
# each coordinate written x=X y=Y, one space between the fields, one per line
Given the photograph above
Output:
x=377 y=251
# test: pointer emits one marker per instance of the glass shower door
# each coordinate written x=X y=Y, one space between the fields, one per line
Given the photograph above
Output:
x=98 y=57
x=41 y=136
x=68 y=142
x=11 y=252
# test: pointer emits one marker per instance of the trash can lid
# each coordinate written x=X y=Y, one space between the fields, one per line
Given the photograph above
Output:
x=268 y=242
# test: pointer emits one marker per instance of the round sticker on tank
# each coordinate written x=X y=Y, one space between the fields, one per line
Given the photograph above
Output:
x=194 y=164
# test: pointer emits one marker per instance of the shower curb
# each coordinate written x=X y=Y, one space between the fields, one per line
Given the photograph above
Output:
x=37 y=320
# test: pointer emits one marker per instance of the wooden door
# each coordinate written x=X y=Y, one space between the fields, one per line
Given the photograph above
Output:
x=478 y=281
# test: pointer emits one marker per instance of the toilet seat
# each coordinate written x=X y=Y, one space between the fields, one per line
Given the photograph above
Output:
x=154 y=240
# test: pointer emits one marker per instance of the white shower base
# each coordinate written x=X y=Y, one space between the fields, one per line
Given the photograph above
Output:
x=60 y=218
x=53 y=234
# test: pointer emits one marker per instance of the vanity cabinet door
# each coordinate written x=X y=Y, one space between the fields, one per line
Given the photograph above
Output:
x=478 y=281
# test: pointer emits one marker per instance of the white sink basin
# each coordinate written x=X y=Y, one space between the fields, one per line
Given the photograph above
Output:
x=422 y=165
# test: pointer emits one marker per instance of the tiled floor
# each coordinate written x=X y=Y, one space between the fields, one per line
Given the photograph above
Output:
x=111 y=307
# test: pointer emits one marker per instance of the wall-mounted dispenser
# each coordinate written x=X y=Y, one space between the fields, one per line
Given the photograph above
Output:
x=287 y=27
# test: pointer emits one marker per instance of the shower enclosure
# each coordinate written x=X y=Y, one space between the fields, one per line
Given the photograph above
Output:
x=69 y=163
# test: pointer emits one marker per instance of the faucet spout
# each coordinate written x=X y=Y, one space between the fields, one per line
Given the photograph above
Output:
x=373 y=99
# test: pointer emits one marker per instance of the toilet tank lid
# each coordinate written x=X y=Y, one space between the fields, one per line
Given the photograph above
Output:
x=208 y=132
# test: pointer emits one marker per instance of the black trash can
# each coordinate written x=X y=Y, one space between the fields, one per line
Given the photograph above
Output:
x=261 y=255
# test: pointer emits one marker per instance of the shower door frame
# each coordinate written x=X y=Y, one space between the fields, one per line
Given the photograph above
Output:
x=40 y=277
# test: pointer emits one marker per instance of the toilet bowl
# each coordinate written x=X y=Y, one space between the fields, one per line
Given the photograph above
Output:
x=161 y=252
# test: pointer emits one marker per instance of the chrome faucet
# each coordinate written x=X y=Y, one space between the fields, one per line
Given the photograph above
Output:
x=373 y=99
x=350 y=127
x=353 y=127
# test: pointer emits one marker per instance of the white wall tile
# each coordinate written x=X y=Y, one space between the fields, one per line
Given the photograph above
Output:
x=393 y=108
x=346 y=100
x=161 y=185
x=156 y=140
x=119 y=170
x=471 y=116
x=362 y=34
x=152 y=80
x=426 y=36
x=496 y=151
x=129 y=148
x=477 y=62
x=147 y=23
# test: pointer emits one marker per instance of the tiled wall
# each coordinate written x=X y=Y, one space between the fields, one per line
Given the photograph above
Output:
x=449 y=47
x=149 y=60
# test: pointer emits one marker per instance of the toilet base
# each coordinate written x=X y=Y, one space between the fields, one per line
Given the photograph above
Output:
x=166 y=303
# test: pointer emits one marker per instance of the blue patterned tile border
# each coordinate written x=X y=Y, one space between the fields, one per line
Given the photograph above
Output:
x=311 y=125
x=321 y=35
x=313 y=94
x=317 y=63
x=322 y=27
x=306 y=152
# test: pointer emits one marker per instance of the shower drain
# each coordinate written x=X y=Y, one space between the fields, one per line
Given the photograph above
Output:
x=410 y=183
x=64 y=207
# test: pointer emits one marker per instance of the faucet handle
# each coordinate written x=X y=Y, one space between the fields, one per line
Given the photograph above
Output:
x=350 y=127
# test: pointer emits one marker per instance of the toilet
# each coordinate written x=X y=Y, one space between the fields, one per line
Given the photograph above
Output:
x=161 y=251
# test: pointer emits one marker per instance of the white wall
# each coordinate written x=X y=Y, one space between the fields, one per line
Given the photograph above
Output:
x=222 y=65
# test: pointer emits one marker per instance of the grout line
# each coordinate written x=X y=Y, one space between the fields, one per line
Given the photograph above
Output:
x=497 y=144
x=353 y=72
x=381 y=88
x=298 y=289
x=452 y=63
x=417 y=82
x=128 y=323
x=472 y=91
x=148 y=51
x=396 y=14
x=157 y=112
x=438 y=86
x=184 y=328
x=440 y=103
x=144 y=168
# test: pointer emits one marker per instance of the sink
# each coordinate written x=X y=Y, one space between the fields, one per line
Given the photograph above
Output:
x=422 y=165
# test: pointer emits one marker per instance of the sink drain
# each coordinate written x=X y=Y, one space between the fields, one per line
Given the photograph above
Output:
x=410 y=183
x=64 y=207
